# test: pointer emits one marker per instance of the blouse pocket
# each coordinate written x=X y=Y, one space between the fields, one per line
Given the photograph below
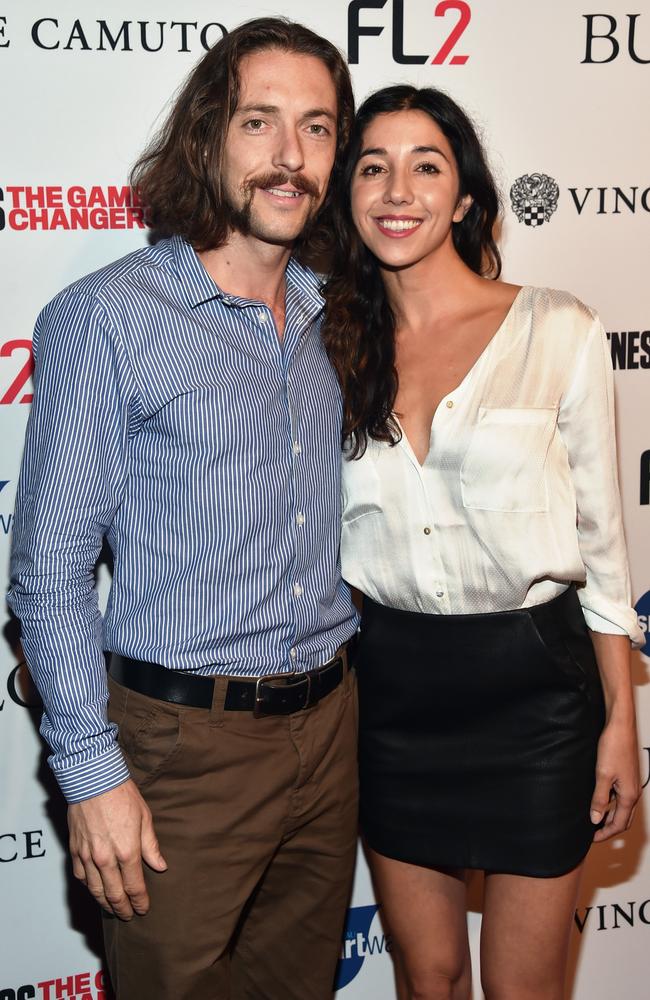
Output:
x=504 y=465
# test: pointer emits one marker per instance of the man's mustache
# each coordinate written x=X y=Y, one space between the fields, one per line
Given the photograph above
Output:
x=276 y=178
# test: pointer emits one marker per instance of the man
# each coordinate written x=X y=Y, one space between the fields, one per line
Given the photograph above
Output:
x=184 y=408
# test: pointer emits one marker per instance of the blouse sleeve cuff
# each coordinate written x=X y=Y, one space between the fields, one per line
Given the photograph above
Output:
x=630 y=628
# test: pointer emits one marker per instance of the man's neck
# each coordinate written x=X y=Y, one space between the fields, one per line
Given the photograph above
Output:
x=252 y=269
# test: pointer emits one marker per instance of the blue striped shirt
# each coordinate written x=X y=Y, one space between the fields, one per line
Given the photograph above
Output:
x=169 y=417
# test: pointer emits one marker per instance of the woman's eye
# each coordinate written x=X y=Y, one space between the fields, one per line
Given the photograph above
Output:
x=371 y=170
x=428 y=168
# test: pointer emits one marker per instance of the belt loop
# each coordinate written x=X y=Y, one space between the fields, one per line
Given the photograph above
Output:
x=218 y=700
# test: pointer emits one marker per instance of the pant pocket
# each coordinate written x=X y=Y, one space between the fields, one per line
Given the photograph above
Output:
x=558 y=655
x=150 y=736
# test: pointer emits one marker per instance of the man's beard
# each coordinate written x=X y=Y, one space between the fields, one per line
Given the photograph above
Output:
x=240 y=217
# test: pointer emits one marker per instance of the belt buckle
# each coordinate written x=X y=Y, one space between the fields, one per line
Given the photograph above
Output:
x=258 y=709
x=257 y=704
x=308 y=676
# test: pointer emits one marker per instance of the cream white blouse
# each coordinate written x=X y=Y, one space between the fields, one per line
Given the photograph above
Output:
x=518 y=495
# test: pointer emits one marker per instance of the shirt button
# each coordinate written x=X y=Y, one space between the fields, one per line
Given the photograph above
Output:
x=427 y=531
x=450 y=404
x=300 y=519
x=296 y=447
x=440 y=593
x=297 y=590
x=262 y=317
x=293 y=652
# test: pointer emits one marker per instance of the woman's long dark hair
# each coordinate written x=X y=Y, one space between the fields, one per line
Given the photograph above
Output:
x=359 y=328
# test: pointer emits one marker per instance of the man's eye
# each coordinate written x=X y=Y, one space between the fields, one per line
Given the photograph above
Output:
x=255 y=123
x=317 y=129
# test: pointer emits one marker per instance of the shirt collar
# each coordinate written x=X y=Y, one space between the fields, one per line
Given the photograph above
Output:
x=201 y=288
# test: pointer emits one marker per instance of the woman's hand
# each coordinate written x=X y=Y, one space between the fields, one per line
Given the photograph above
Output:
x=618 y=779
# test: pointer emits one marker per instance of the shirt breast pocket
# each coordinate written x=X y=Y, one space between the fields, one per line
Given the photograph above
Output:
x=504 y=468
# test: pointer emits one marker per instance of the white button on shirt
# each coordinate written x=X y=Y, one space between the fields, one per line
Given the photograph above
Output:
x=519 y=489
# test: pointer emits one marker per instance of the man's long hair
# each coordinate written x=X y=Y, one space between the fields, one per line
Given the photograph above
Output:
x=179 y=176
x=359 y=327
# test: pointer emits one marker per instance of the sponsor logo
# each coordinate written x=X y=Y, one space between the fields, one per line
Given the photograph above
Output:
x=642 y=608
x=606 y=39
x=78 y=986
x=75 y=207
x=5 y=518
x=454 y=15
x=644 y=479
x=358 y=944
x=19 y=685
x=22 y=846
x=534 y=198
x=610 y=200
x=14 y=384
x=630 y=349
x=613 y=916
x=22 y=692
x=50 y=34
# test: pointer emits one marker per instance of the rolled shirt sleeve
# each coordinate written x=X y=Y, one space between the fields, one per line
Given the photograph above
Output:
x=72 y=480
x=586 y=423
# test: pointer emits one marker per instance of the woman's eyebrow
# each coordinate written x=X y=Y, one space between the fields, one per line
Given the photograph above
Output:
x=429 y=149
x=380 y=151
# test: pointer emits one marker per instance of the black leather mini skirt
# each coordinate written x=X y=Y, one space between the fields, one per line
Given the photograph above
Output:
x=478 y=737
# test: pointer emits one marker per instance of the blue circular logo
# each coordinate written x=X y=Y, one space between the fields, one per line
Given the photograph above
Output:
x=642 y=608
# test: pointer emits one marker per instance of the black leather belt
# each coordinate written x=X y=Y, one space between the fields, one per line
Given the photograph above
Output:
x=271 y=694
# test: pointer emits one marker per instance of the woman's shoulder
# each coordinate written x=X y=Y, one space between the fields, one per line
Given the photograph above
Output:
x=557 y=319
x=557 y=304
x=551 y=328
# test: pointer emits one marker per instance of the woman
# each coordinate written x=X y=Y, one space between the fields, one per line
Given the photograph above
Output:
x=497 y=718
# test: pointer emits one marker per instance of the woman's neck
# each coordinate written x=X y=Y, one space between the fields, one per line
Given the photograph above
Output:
x=435 y=284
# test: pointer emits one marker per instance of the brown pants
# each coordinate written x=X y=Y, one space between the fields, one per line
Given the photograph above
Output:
x=257 y=821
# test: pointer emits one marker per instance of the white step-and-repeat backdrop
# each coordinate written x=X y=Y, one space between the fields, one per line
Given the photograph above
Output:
x=560 y=91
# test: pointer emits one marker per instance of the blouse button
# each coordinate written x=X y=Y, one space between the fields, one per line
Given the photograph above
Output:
x=440 y=593
x=450 y=403
x=427 y=531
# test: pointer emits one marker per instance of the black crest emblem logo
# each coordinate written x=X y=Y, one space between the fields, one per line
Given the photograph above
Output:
x=534 y=198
